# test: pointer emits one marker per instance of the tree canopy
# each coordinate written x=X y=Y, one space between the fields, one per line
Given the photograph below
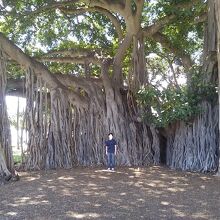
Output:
x=75 y=37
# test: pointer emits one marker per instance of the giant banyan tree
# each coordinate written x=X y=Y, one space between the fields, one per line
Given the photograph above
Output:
x=83 y=81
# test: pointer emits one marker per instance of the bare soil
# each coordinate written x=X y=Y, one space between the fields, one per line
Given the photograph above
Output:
x=94 y=193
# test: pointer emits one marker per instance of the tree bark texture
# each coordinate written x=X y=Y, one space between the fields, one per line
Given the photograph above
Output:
x=6 y=159
x=217 y=14
x=194 y=146
x=61 y=135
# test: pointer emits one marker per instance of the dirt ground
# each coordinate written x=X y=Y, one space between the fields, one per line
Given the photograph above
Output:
x=128 y=193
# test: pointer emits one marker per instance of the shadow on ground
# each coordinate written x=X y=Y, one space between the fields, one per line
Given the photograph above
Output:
x=93 y=193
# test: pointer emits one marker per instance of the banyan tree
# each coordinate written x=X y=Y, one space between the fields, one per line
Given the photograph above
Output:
x=85 y=68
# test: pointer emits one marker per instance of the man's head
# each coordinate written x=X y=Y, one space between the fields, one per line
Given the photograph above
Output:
x=110 y=136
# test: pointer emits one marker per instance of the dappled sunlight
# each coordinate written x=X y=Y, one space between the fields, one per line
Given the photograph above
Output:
x=165 y=203
x=23 y=201
x=202 y=187
x=175 y=189
x=103 y=177
x=66 y=192
x=29 y=179
x=125 y=194
x=77 y=215
x=11 y=214
x=92 y=192
x=206 y=177
x=65 y=178
x=178 y=213
x=109 y=172
x=152 y=184
x=200 y=215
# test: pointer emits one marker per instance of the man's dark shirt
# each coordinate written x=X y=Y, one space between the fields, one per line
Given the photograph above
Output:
x=110 y=146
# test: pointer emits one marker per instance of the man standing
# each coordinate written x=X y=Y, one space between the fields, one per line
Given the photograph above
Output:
x=111 y=149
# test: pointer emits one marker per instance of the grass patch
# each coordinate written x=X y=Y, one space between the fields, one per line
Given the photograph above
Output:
x=17 y=159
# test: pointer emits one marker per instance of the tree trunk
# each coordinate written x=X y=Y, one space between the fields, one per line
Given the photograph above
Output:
x=61 y=135
x=18 y=127
x=3 y=167
x=217 y=13
x=48 y=125
x=194 y=145
x=6 y=161
x=138 y=63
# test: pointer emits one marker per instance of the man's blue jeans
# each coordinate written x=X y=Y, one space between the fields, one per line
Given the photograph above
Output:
x=111 y=160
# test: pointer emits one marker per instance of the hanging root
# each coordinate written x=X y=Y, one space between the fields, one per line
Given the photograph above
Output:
x=61 y=135
x=59 y=152
x=194 y=146
x=6 y=159
x=48 y=125
x=7 y=172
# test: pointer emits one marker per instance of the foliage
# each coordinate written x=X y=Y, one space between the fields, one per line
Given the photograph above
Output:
x=172 y=104
x=17 y=159
x=14 y=71
x=13 y=121
x=38 y=33
x=52 y=29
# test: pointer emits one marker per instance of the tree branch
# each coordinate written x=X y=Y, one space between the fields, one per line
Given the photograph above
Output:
x=140 y=5
x=80 y=82
x=133 y=18
x=17 y=86
x=116 y=6
x=120 y=55
x=154 y=28
x=39 y=69
x=186 y=59
x=78 y=55
x=108 y=14
x=50 y=6
x=76 y=60
x=128 y=6
x=187 y=5
x=78 y=52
